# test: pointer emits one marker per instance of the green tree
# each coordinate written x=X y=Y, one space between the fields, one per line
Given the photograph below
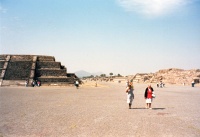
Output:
x=103 y=75
x=119 y=75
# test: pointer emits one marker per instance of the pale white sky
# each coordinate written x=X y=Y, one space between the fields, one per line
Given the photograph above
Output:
x=118 y=36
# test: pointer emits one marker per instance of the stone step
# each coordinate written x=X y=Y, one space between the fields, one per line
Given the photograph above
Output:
x=46 y=65
x=55 y=80
x=50 y=72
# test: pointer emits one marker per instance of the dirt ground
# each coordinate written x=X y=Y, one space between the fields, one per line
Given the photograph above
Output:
x=98 y=111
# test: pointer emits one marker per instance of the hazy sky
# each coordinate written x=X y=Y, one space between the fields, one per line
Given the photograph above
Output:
x=118 y=36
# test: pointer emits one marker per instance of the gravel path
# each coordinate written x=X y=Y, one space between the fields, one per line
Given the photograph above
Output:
x=98 y=112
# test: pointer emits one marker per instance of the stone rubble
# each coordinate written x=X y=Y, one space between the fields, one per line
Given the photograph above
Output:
x=171 y=76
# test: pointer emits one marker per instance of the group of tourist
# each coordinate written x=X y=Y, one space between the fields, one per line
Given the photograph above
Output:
x=33 y=84
x=148 y=94
x=161 y=84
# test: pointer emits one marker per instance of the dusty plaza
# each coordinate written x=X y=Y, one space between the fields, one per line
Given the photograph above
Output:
x=99 y=111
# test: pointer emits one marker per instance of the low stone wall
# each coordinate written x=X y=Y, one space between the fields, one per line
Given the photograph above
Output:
x=40 y=65
x=19 y=70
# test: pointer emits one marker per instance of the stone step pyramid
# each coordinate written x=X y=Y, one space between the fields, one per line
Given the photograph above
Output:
x=16 y=69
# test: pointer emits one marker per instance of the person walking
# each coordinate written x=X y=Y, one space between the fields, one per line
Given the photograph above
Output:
x=26 y=83
x=33 y=83
x=130 y=95
x=38 y=83
x=77 y=84
x=148 y=96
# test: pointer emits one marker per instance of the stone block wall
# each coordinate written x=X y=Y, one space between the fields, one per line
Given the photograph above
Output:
x=19 y=70
x=50 y=72
x=45 y=58
x=56 y=80
x=52 y=65
x=21 y=58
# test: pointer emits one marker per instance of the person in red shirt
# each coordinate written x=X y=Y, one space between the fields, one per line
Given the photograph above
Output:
x=148 y=96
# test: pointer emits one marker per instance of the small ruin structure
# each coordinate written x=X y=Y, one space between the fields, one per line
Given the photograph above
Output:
x=171 y=76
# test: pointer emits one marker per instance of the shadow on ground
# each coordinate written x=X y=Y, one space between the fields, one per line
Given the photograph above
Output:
x=152 y=108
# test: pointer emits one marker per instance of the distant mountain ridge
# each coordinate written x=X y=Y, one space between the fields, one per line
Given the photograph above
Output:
x=83 y=73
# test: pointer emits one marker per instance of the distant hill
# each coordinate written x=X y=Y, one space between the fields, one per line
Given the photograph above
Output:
x=83 y=73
